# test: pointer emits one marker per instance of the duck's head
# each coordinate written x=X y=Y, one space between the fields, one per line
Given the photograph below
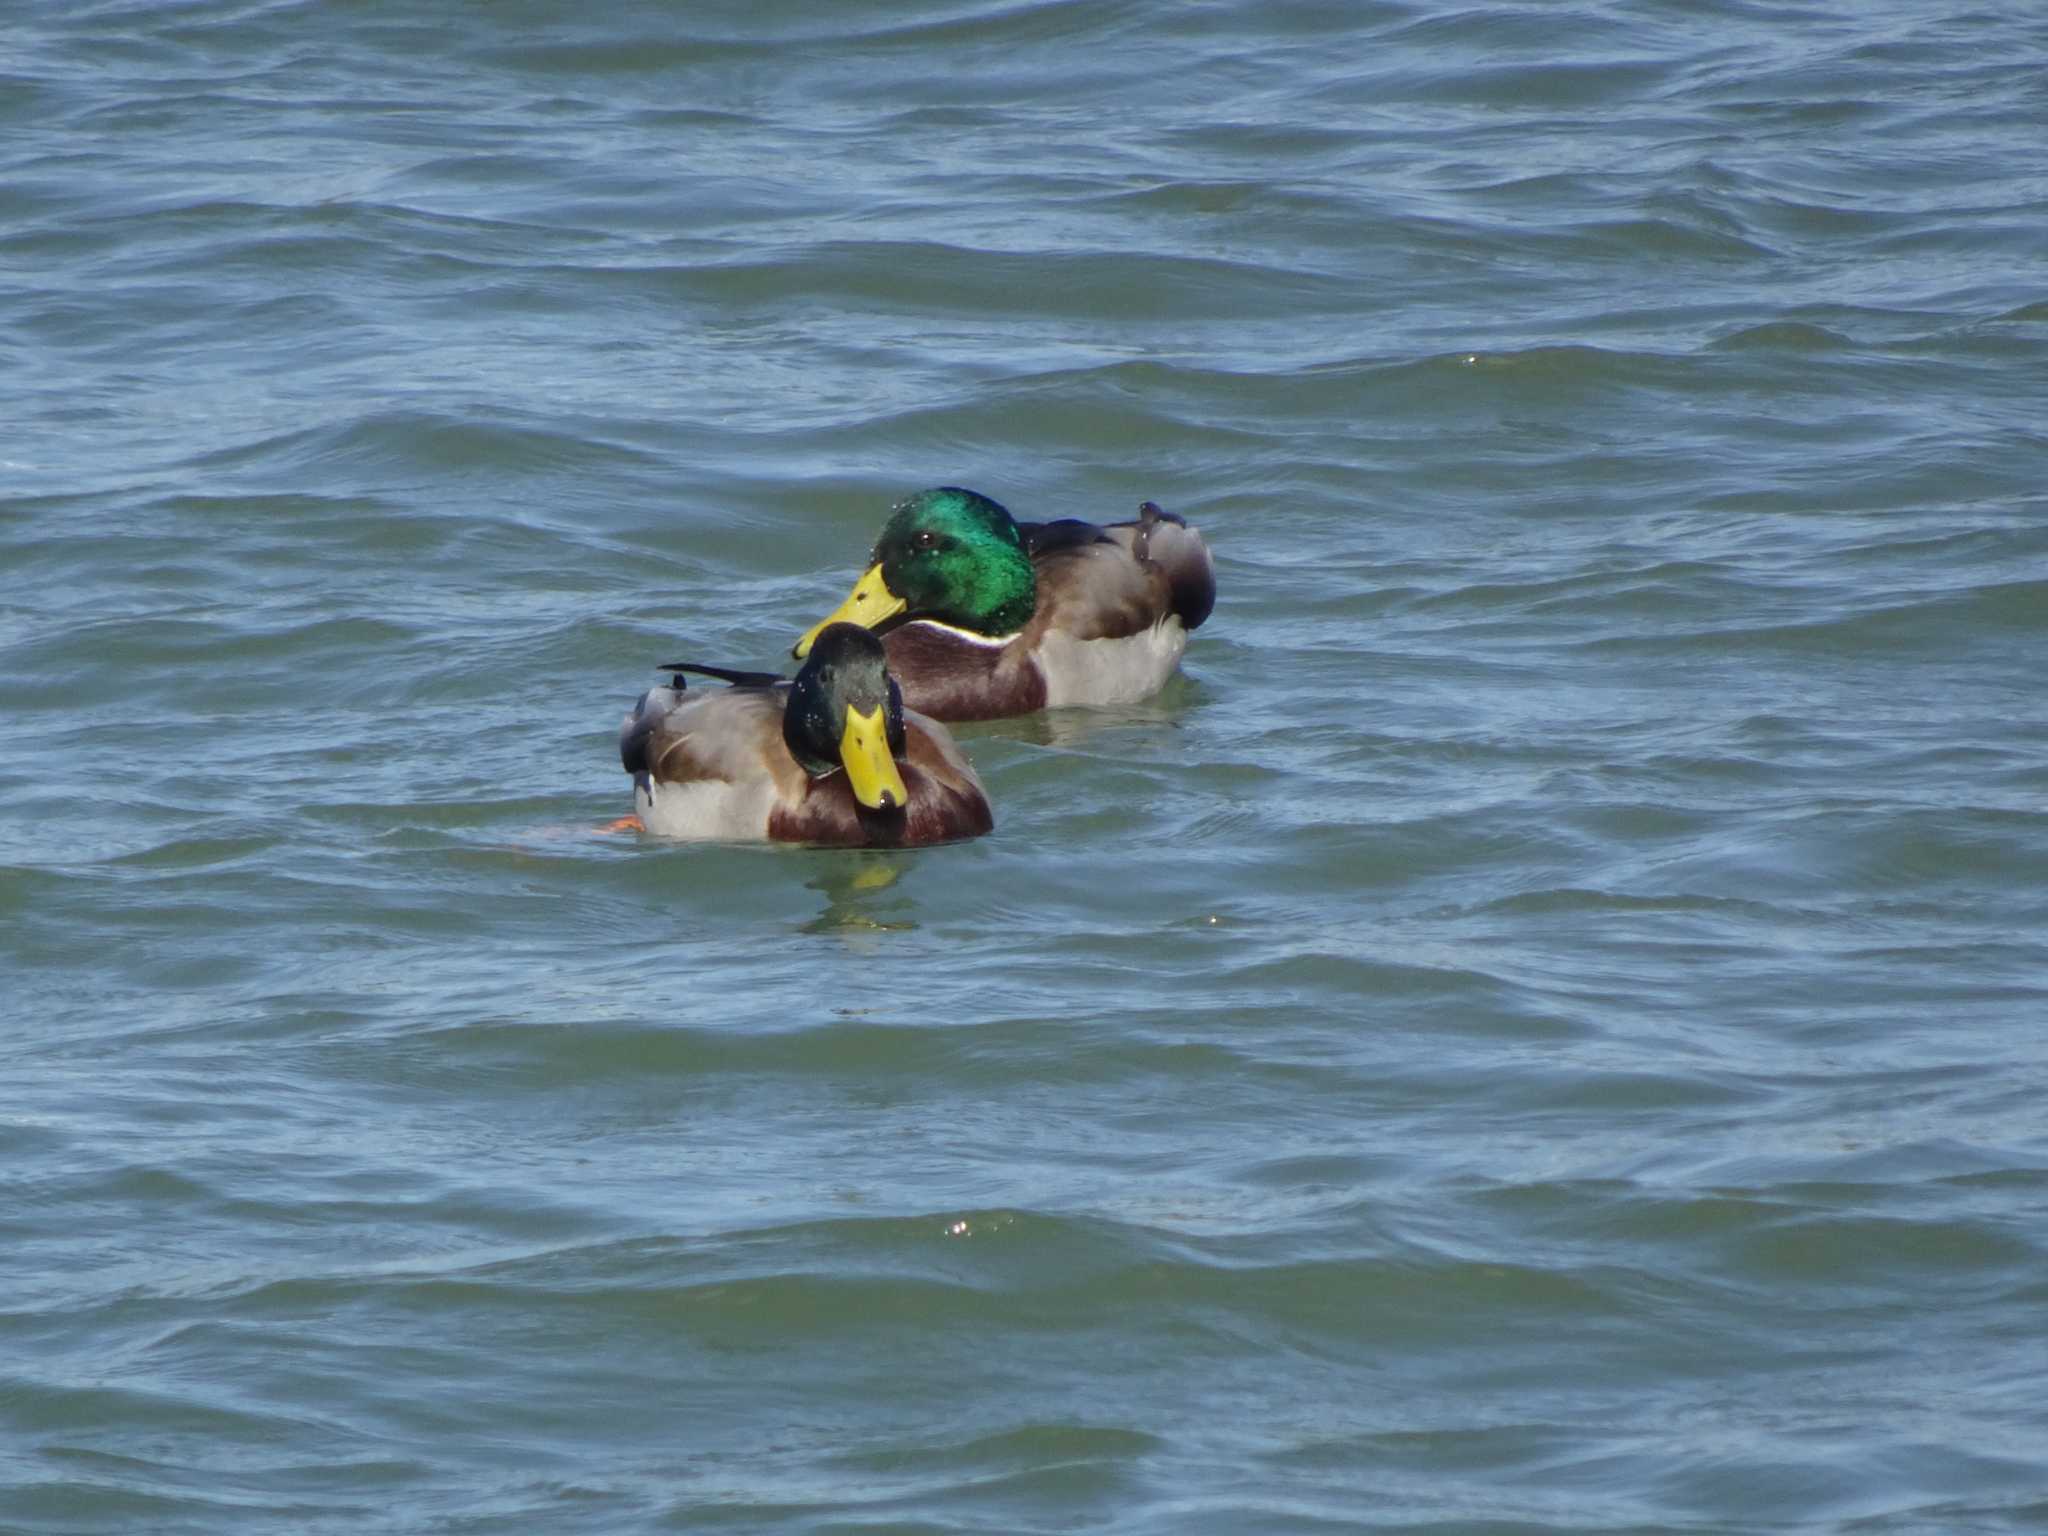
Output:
x=948 y=554
x=845 y=711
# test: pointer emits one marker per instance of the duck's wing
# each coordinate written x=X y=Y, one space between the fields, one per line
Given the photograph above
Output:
x=733 y=675
x=1061 y=533
x=1103 y=582
x=733 y=736
x=1098 y=591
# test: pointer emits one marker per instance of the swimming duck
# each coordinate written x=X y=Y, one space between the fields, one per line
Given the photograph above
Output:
x=985 y=617
x=830 y=757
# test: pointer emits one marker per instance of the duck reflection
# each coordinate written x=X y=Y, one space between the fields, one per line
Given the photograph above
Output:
x=862 y=894
x=1075 y=727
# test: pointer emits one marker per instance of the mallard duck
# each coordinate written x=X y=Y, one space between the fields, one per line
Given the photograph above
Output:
x=829 y=757
x=985 y=617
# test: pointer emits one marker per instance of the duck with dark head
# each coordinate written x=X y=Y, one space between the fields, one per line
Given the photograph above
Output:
x=831 y=757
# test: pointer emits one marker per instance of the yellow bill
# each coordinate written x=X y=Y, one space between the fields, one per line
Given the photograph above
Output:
x=870 y=767
x=867 y=605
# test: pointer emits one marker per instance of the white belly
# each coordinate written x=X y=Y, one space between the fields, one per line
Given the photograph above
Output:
x=709 y=809
x=1111 y=671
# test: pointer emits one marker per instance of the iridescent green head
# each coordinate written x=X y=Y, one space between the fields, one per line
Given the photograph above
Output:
x=948 y=554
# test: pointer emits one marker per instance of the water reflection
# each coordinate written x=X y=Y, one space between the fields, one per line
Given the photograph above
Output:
x=1076 y=726
x=862 y=894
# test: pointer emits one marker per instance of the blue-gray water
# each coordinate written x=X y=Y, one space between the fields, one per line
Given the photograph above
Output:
x=1541 y=1030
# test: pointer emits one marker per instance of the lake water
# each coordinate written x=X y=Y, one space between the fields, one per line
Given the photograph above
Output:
x=1541 y=1029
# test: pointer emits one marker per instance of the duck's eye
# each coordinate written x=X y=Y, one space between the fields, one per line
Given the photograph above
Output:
x=925 y=540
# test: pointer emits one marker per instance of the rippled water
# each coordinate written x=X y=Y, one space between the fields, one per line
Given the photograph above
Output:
x=1538 y=1030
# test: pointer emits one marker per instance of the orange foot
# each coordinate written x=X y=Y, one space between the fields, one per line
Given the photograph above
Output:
x=624 y=824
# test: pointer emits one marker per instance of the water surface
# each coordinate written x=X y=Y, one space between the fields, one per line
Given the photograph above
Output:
x=1538 y=1030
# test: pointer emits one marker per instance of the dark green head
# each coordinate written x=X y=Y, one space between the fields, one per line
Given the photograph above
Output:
x=845 y=711
x=947 y=554
x=956 y=556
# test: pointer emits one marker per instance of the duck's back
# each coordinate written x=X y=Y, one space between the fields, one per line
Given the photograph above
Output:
x=1103 y=582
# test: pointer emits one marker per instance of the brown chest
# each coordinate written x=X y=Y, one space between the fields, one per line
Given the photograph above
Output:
x=950 y=676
